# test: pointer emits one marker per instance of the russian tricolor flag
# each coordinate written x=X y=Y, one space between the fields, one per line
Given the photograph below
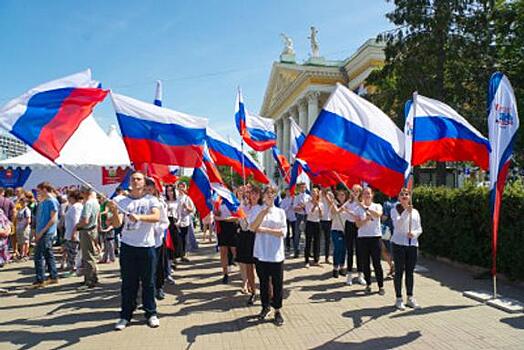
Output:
x=230 y=154
x=283 y=164
x=46 y=116
x=211 y=169
x=159 y=135
x=257 y=132
x=200 y=191
x=351 y=129
x=229 y=199
x=297 y=138
x=439 y=133
x=503 y=123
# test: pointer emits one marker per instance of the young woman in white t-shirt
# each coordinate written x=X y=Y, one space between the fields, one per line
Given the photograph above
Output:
x=339 y=213
x=406 y=230
x=270 y=227
x=314 y=211
x=369 y=236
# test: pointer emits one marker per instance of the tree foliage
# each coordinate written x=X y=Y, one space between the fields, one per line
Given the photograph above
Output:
x=447 y=50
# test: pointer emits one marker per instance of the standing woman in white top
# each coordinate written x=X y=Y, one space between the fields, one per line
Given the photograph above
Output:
x=270 y=227
x=339 y=213
x=369 y=236
x=246 y=243
x=325 y=221
x=314 y=210
x=137 y=255
x=184 y=212
x=405 y=246
x=172 y=230
x=351 y=234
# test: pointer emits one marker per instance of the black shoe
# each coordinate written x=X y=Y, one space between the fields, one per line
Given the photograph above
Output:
x=225 y=279
x=296 y=256
x=342 y=272
x=160 y=294
x=184 y=259
x=335 y=273
x=251 y=300
x=279 y=320
x=264 y=313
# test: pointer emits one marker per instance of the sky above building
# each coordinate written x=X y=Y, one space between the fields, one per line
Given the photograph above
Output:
x=201 y=50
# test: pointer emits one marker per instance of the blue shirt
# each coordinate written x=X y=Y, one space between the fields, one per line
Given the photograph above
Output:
x=43 y=215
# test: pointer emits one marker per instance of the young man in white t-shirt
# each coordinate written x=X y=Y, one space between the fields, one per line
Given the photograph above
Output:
x=137 y=255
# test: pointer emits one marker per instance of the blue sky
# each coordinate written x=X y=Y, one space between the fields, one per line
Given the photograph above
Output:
x=202 y=50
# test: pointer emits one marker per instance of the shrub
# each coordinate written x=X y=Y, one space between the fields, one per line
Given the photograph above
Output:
x=457 y=225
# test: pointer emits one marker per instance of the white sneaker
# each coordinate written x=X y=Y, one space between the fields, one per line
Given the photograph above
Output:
x=153 y=322
x=307 y=265
x=412 y=303
x=121 y=324
x=229 y=269
x=361 y=280
x=400 y=305
x=349 y=279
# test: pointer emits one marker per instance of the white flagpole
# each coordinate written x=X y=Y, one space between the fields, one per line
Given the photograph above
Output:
x=410 y=176
x=243 y=168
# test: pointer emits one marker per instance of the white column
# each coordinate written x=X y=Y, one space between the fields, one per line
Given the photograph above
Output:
x=280 y=138
x=302 y=115
x=312 y=108
x=285 y=146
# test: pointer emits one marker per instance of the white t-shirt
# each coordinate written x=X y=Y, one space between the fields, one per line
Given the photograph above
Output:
x=371 y=228
x=251 y=214
x=326 y=214
x=172 y=208
x=287 y=205
x=139 y=234
x=269 y=248
x=352 y=208
x=162 y=225
x=338 y=220
x=313 y=212
x=301 y=199
x=401 y=227
x=183 y=214
x=224 y=213
x=72 y=216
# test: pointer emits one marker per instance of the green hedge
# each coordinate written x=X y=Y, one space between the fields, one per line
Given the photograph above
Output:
x=457 y=225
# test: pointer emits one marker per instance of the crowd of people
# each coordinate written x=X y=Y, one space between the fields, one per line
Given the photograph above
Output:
x=152 y=230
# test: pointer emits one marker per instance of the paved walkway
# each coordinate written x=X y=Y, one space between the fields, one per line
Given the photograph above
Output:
x=201 y=313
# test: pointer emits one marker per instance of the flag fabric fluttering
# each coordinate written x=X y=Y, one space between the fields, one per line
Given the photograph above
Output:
x=211 y=168
x=282 y=163
x=229 y=199
x=159 y=135
x=158 y=94
x=257 y=132
x=297 y=139
x=437 y=132
x=46 y=116
x=351 y=128
x=230 y=154
x=503 y=123
x=200 y=191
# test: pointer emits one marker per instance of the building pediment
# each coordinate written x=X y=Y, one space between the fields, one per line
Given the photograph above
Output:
x=287 y=79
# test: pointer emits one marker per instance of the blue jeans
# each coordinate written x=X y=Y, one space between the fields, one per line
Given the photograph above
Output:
x=339 y=248
x=137 y=265
x=296 y=235
x=44 y=253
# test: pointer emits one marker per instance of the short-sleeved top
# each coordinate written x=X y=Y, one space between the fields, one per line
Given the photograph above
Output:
x=352 y=208
x=373 y=227
x=326 y=213
x=184 y=215
x=287 y=205
x=301 y=199
x=313 y=212
x=139 y=234
x=22 y=218
x=43 y=215
x=90 y=212
x=269 y=248
x=72 y=216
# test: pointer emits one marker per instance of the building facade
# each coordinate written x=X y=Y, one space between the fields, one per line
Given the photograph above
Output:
x=11 y=147
x=299 y=90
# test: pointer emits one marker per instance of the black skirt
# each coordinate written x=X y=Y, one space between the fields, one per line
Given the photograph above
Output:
x=227 y=233
x=245 y=244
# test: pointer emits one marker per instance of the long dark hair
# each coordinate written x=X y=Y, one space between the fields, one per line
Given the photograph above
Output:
x=168 y=187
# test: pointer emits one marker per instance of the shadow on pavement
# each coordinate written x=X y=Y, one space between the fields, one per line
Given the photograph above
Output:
x=432 y=310
x=233 y=326
x=372 y=344
x=515 y=322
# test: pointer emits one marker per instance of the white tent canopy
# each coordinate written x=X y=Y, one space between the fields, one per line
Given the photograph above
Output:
x=85 y=153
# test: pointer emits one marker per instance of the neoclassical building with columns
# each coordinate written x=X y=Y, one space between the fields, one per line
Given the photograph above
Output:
x=299 y=90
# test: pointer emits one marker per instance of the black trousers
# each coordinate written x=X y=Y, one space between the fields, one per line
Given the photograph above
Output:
x=325 y=226
x=351 y=233
x=405 y=258
x=180 y=246
x=161 y=266
x=369 y=247
x=312 y=239
x=290 y=234
x=270 y=272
